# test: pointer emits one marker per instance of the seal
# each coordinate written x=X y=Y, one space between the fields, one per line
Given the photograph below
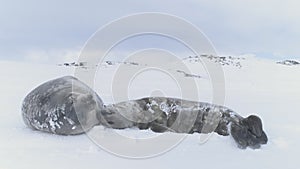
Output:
x=64 y=106
x=161 y=114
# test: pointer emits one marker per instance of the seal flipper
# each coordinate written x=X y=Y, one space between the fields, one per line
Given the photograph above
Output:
x=249 y=132
x=263 y=138
x=254 y=125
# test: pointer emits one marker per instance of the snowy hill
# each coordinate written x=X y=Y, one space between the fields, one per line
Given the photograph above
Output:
x=255 y=86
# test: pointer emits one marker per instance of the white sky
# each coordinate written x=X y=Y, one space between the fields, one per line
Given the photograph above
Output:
x=51 y=31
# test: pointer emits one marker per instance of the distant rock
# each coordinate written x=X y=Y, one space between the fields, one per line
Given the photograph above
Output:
x=289 y=62
x=74 y=64
x=188 y=74
x=111 y=63
x=104 y=64
x=222 y=60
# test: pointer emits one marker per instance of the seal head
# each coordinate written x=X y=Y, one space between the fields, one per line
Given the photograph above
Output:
x=63 y=106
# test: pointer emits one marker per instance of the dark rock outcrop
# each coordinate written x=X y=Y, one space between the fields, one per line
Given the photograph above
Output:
x=289 y=62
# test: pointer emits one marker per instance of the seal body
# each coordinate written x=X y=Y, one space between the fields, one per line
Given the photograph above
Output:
x=64 y=106
x=168 y=114
x=162 y=114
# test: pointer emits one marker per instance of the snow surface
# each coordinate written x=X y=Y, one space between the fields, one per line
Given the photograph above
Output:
x=259 y=87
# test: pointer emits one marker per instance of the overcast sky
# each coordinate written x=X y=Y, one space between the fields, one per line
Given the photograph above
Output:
x=52 y=30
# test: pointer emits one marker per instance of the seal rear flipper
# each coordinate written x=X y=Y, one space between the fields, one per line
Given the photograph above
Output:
x=254 y=125
x=249 y=133
x=263 y=138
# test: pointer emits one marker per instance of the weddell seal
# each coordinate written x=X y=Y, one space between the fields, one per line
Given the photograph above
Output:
x=54 y=107
x=63 y=106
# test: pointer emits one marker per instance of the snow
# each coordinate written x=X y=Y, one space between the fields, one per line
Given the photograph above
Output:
x=259 y=87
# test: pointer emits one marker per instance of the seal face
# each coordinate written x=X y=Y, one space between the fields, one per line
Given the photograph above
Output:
x=64 y=106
